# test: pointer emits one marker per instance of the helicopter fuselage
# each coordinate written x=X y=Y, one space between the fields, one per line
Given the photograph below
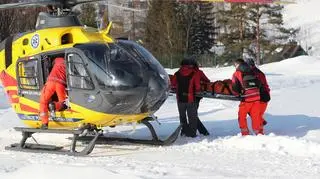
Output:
x=109 y=82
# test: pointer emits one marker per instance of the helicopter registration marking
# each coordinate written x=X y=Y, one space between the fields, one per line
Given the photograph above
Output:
x=28 y=92
x=57 y=119
x=35 y=41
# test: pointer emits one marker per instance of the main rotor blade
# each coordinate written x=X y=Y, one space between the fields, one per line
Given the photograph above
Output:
x=63 y=3
x=33 y=3
x=103 y=2
x=29 y=4
x=126 y=8
x=72 y=3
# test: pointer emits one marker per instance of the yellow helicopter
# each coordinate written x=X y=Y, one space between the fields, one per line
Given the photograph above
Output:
x=109 y=81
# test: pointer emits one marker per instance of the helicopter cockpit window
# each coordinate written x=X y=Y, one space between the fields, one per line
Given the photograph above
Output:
x=140 y=52
x=114 y=68
x=28 y=74
x=78 y=75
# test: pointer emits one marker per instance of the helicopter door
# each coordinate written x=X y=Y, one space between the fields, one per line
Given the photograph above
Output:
x=80 y=85
x=29 y=79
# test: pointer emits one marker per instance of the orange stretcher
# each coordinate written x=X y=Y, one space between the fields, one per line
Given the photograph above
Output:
x=220 y=89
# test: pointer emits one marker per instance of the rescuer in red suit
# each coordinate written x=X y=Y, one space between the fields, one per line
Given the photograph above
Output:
x=247 y=85
x=56 y=83
x=264 y=90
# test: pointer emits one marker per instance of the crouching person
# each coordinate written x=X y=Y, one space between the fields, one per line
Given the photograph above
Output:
x=56 y=83
x=247 y=85
x=187 y=83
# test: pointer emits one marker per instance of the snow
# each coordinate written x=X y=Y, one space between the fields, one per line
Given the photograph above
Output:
x=290 y=148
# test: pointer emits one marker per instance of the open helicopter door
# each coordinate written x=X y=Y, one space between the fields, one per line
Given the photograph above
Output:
x=81 y=90
x=29 y=77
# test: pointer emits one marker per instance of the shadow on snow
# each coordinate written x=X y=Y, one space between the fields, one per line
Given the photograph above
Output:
x=281 y=125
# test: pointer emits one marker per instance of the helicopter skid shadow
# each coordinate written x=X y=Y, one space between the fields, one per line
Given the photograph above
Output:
x=115 y=151
x=286 y=125
x=169 y=119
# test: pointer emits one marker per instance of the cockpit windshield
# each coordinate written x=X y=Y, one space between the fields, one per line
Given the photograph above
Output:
x=130 y=78
x=122 y=64
x=114 y=67
x=142 y=54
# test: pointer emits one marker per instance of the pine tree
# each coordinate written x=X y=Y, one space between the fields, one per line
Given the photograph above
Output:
x=197 y=20
x=202 y=36
x=254 y=30
x=268 y=29
x=235 y=33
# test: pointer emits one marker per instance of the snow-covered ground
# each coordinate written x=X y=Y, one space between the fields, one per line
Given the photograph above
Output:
x=290 y=148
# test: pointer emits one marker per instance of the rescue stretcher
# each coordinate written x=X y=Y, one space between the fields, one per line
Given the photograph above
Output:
x=220 y=89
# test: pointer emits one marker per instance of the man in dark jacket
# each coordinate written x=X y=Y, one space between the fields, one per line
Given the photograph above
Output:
x=56 y=83
x=187 y=84
x=247 y=85
x=264 y=89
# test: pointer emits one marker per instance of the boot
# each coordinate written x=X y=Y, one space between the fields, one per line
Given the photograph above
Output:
x=185 y=131
x=63 y=107
x=52 y=109
x=264 y=122
x=44 y=126
x=202 y=130
x=191 y=133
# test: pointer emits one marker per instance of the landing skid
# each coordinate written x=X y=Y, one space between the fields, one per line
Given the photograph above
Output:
x=80 y=135
x=154 y=141
x=41 y=148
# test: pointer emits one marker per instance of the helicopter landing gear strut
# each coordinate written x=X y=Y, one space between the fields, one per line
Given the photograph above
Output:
x=87 y=134
x=154 y=141
x=42 y=148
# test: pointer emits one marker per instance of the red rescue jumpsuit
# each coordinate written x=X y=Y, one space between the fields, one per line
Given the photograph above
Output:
x=56 y=83
x=250 y=103
x=264 y=92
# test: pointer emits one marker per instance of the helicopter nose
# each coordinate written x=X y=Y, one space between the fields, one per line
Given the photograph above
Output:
x=147 y=98
x=158 y=90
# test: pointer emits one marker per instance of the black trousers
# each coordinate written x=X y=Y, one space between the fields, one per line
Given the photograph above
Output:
x=189 y=125
x=201 y=128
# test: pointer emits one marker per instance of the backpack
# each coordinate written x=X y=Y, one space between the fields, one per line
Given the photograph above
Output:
x=250 y=87
x=183 y=92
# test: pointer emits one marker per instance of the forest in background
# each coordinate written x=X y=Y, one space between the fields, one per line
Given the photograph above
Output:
x=215 y=33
